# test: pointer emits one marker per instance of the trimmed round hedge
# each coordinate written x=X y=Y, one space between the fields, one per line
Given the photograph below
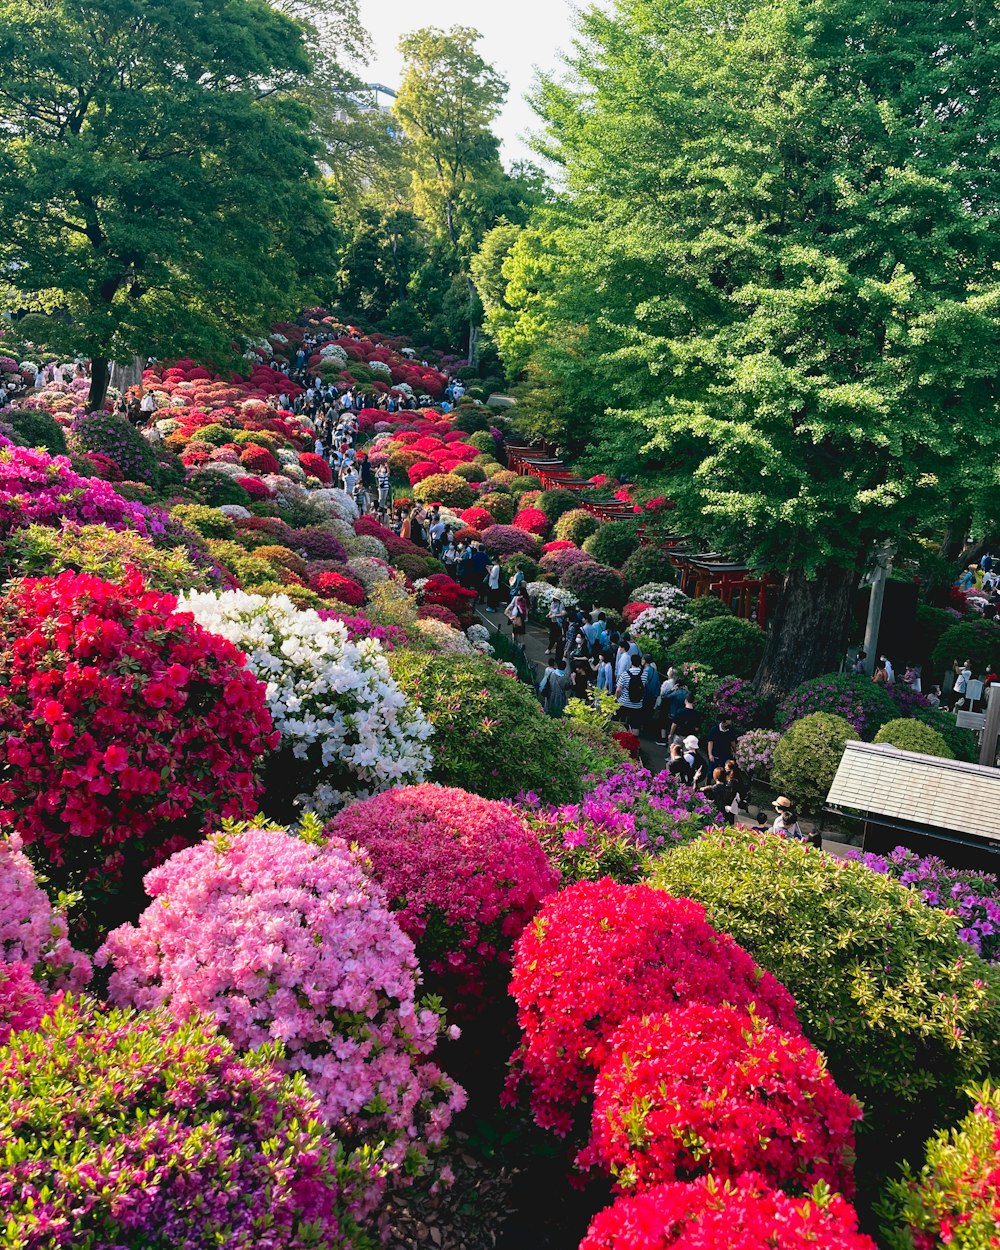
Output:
x=37 y=429
x=613 y=543
x=556 y=503
x=807 y=756
x=706 y=608
x=975 y=640
x=882 y=982
x=445 y=488
x=576 y=526
x=914 y=735
x=724 y=645
x=648 y=564
x=490 y=734
x=961 y=742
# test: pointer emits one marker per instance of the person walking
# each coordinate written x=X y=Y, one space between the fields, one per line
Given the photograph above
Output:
x=493 y=585
x=629 y=693
x=556 y=621
x=555 y=683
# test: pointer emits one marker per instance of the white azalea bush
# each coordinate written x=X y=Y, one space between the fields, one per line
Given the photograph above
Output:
x=660 y=595
x=662 y=626
x=346 y=728
x=541 y=594
x=479 y=636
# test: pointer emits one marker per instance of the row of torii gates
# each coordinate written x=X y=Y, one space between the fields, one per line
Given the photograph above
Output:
x=745 y=591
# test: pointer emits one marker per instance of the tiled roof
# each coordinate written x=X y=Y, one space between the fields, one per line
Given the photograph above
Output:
x=879 y=780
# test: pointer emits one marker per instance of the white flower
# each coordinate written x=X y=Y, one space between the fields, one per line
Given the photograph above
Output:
x=324 y=691
x=477 y=634
x=541 y=595
x=660 y=595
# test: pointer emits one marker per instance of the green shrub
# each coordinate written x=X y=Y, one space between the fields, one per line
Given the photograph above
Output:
x=483 y=441
x=955 y=1200
x=613 y=543
x=882 y=983
x=471 y=421
x=521 y=485
x=208 y=522
x=576 y=526
x=114 y=437
x=725 y=645
x=807 y=756
x=530 y=568
x=41 y=551
x=490 y=734
x=961 y=742
x=215 y=489
x=500 y=505
x=469 y=472
x=914 y=735
x=978 y=641
x=707 y=608
x=648 y=564
x=37 y=429
x=556 y=503
x=217 y=434
x=445 y=488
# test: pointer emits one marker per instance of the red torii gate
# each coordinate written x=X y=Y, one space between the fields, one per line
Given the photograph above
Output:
x=743 y=590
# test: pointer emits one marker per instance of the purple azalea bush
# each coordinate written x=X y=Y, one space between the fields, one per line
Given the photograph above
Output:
x=856 y=699
x=971 y=896
x=624 y=821
x=754 y=751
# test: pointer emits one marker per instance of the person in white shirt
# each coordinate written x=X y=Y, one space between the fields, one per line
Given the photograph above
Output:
x=148 y=402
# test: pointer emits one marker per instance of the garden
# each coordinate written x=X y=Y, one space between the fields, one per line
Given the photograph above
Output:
x=310 y=918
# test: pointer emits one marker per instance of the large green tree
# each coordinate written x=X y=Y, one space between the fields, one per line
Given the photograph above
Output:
x=778 y=263
x=157 y=170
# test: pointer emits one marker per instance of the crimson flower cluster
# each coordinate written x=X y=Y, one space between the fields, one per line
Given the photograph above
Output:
x=739 y=1216
x=463 y=874
x=337 y=586
x=124 y=726
x=599 y=953
x=716 y=1090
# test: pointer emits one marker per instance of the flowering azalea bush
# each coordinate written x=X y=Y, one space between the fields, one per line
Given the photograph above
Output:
x=595 y=583
x=36 y=488
x=557 y=563
x=119 y=441
x=754 y=752
x=508 y=540
x=533 y=520
x=597 y=954
x=972 y=897
x=23 y=1002
x=32 y=931
x=126 y=730
x=623 y=822
x=904 y=1011
x=742 y=1215
x=541 y=594
x=662 y=626
x=133 y=1131
x=662 y=595
x=345 y=725
x=712 y=1090
x=867 y=706
x=736 y=698
x=463 y=875
x=282 y=937
x=333 y=585
x=954 y=1201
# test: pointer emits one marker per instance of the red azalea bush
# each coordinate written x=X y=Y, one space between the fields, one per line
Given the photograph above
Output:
x=315 y=466
x=467 y=535
x=560 y=544
x=258 y=459
x=435 y=612
x=477 y=518
x=632 y=610
x=629 y=742
x=337 y=586
x=533 y=520
x=255 y=488
x=422 y=469
x=126 y=730
x=463 y=874
x=599 y=953
x=715 y=1090
x=443 y=591
x=744 y=1215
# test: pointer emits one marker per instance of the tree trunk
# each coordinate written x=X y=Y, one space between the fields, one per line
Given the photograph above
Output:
x=98 y=384
x=123 y=376
x=808 y=632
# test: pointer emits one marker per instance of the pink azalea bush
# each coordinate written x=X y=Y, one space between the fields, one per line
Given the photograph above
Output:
x=23 y=1002
x=463 y=874
x=281 y=938
x=598 y=953
x=32 y=932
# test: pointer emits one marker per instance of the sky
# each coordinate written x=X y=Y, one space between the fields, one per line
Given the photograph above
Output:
x=519 y=36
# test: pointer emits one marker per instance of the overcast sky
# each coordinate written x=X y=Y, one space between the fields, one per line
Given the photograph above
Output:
x=518 y=37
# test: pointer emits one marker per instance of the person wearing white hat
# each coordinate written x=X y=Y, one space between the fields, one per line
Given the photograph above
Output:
x=786 y=822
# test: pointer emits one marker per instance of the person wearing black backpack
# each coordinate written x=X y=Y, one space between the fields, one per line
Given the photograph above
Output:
x=630 y=692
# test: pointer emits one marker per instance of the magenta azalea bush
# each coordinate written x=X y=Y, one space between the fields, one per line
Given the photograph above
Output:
x=282 y=939
x=595 y=583
x=39 y=489
x=856 y=699
x=131 y=1132
x=463 y=875
x=32 y=932
x=23 y=1002
x=754 y=752
x=507 y=540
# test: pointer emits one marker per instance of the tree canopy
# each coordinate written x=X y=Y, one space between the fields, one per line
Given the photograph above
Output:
x=776 y=265
x=157 y=172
